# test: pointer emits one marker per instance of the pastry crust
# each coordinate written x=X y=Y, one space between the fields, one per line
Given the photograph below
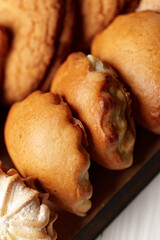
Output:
x=153 y=5
x=47 y=143
x=34 y=25
x=63 y=44
x=94 y=16
x=22 y=216
x=100 y=101
x=136 y=56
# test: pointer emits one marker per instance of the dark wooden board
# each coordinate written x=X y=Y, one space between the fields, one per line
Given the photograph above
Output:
x=113 y=190
x=121 y=199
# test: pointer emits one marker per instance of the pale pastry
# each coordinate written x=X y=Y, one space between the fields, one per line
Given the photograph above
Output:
x=22 y=216
x=100 y=101
x=46 y=142
x=131 y=44
x=153 y=5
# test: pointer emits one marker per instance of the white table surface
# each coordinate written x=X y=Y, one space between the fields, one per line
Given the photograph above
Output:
x=140 y=220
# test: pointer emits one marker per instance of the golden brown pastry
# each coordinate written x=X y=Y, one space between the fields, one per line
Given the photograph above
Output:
x=46 y=142
x=100 y=101
x=34 y=25
x=93 y=16
x=22 y=216
x=131 y=44
x=149 y=5
x=64 y=42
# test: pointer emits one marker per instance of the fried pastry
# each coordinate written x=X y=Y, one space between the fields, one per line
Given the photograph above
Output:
x=93 y=16
x=149 y=5
x=46 y=142
x=34 y=25
x=22 y=216
x=131 y=44
x=100 y=101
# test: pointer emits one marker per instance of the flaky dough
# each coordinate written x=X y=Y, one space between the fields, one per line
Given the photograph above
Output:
x=22 y=214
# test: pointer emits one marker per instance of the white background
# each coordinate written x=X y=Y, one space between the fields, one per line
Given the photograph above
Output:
x=140 y=220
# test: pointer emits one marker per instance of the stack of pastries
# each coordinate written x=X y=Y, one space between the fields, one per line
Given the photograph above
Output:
x=69 y=109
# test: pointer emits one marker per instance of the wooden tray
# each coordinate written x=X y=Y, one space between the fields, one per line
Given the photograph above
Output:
x=113 y=190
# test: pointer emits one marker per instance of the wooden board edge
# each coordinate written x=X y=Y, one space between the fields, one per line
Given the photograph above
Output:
x=121 y=199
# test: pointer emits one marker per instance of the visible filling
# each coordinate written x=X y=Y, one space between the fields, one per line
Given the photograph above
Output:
x=117 y=93
x=97 y=65
x=118 y=115
x=85 y=204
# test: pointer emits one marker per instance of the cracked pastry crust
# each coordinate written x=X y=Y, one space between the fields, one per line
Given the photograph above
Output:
x=34 y=28
x=100 y=101
x=22 y=216
x=46 y=142
x=137 y=59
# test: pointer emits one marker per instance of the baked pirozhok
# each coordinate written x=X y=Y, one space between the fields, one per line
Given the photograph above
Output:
x=100 y=101
x=46 y=142
x=131 y=44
